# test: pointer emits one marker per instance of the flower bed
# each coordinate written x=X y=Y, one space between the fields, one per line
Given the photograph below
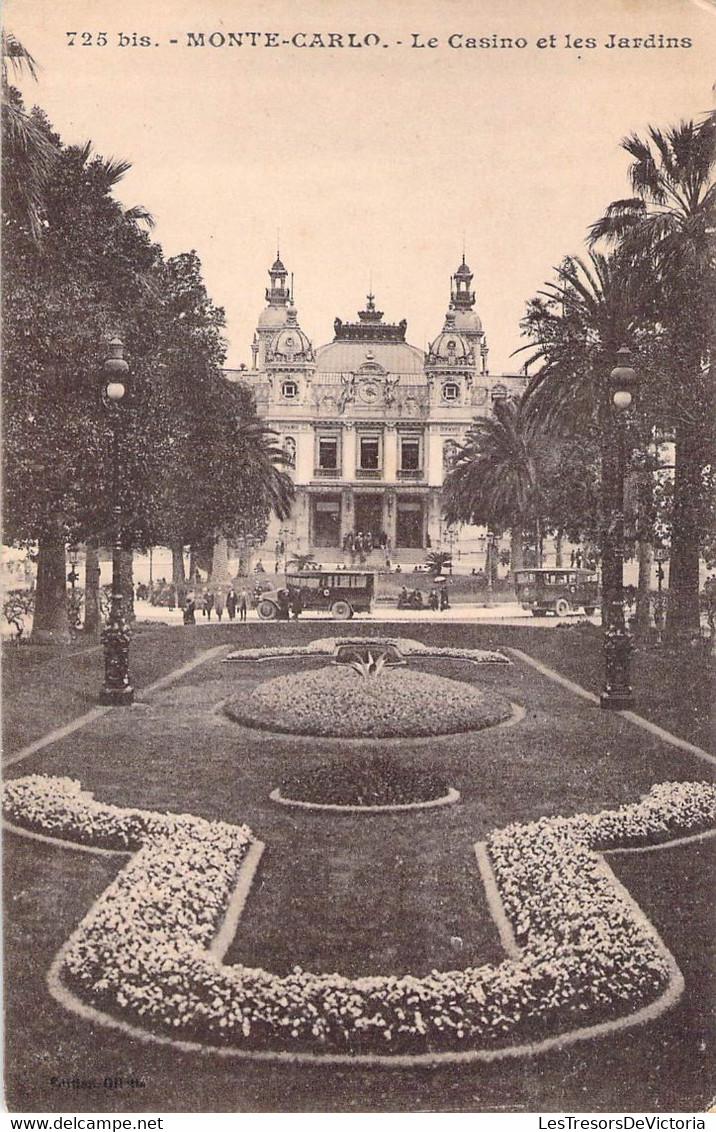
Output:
x=396 y=703
x=406 y=646
x=59 y=806
x=376 y=781
x=586 y=953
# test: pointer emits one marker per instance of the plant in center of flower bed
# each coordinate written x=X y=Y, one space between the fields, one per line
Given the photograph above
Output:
x=584 y=952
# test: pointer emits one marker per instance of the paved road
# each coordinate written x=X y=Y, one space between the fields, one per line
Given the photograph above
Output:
x=509 y=613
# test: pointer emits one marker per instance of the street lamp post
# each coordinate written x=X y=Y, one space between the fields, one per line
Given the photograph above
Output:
x=117 y=689
x=617 y=693
x=451 y=538
x=284 y=534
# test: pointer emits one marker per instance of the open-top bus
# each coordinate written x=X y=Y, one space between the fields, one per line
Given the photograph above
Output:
x=557 y=591
x=338 y=592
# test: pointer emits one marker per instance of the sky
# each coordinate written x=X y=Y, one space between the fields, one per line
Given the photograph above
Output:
x=372 y=165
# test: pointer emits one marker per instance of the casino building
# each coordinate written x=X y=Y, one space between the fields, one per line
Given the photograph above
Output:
x=371 y=422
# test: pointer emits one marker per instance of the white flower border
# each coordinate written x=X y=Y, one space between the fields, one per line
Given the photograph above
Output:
x=406 y=646
x=579 y=949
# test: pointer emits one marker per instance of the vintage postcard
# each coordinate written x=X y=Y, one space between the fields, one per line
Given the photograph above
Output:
x=358 y=570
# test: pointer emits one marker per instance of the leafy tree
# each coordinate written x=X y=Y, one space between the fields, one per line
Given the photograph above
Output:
x=66 y=293
x=665 y=233
x=222 y=473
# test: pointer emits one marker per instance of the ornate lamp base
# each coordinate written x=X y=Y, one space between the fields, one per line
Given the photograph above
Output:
x=117 y=690
x=616 y=699
x=116 y=697
x=617 y=694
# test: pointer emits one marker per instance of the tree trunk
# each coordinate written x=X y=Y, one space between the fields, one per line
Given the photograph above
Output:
x=126 y=567
x=645 y=551
x=642 y=617
x=193 y=565
x=516 y=549
x=538 y=541
x=558 y=538
x=178 y=575
x=50 y=623
x=93 y=612
x=220 y=579
x=682 y=614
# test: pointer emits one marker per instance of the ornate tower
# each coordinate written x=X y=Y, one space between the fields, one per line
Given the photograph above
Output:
x=275 y=315
x=467 y=321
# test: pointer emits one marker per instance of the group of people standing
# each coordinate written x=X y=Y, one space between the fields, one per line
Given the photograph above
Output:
x=233 y=602
x=437 y=599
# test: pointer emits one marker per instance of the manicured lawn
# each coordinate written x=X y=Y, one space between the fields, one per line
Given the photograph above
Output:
x=355 y=894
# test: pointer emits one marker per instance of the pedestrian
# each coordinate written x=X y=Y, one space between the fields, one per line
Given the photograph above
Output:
x=444 y=602
x=172 y=596
x=208 y=604
x=243 y=604
x=578 y=560
x=433 y=600
x=284 y=599
x=231 y=603
x=219 y=605
x=296 y=604
x=189 y=611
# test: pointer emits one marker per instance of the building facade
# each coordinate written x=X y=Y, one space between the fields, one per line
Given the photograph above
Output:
x=371 y=422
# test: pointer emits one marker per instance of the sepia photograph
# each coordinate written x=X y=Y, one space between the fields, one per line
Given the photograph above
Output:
x=359 y=559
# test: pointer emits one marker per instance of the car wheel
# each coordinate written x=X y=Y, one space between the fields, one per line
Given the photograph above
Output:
x=589 y=610
x=341 y=611
x=562 y=607
x=267 y=611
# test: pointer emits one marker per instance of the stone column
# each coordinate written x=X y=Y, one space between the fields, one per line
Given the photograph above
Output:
x=390 y=454
x=347 y=512
x=303 y=472
x=433 y=518
x=434 y=457
x=348 y=453
x=391 y=516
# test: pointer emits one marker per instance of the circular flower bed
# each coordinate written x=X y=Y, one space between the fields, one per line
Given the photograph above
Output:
x=393 y=703
x=377 y=781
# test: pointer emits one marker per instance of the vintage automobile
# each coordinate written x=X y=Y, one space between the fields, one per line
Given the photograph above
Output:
x=558 y=591
x=338 y=592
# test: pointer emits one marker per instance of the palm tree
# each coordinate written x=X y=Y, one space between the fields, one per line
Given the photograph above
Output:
x=437 y=560
x=260 y=462
x=493 y=481
x=301 y=561
x=30 y=154
x=665 y=231
x=576 y=326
